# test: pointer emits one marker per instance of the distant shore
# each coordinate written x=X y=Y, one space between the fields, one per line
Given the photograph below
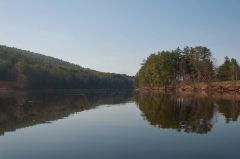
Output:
x=13 y=86
x=223 y=86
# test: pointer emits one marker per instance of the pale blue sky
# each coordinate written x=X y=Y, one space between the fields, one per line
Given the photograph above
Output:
x=116 y=35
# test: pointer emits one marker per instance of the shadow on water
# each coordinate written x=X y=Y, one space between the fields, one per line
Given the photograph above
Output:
x=191 y=113
x=24 y=109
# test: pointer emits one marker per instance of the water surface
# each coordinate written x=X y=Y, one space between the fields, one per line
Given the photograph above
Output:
x=118 y=124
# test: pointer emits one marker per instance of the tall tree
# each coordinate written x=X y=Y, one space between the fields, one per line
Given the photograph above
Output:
x=224 y=70
x=234 y=72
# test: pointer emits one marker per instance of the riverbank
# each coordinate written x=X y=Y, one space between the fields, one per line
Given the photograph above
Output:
x=9 y=86
x=223 y=86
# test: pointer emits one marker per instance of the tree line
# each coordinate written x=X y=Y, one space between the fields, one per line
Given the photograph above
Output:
x=36 y=71
x=191 y=66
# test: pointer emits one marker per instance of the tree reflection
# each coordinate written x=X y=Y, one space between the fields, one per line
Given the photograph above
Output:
x=191 y=113
x=24 y=109
x=230 y=107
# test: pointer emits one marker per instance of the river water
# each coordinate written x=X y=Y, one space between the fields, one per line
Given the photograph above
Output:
x=121 y=124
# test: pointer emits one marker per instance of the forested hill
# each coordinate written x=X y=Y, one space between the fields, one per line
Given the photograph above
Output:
x=25 y=69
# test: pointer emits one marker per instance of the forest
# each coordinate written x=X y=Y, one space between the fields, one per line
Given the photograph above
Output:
x=191 y=66
x=22 y=69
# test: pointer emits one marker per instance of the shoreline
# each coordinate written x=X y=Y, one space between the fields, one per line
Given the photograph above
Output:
x=224 y=86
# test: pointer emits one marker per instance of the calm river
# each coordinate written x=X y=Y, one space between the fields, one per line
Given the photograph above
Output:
x=118 y=125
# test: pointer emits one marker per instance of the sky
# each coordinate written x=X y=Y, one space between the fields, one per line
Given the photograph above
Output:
x=116 y=35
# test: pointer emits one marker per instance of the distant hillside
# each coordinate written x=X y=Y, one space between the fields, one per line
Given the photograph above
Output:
x=25 y=69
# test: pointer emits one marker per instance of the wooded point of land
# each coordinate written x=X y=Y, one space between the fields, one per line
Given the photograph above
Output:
x=193 y=67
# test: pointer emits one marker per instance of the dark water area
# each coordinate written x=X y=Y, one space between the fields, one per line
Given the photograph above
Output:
x=118 y=124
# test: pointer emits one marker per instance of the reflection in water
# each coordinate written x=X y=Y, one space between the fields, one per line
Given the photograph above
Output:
x=24 y=109
x=191 y=113
x=230 y=108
